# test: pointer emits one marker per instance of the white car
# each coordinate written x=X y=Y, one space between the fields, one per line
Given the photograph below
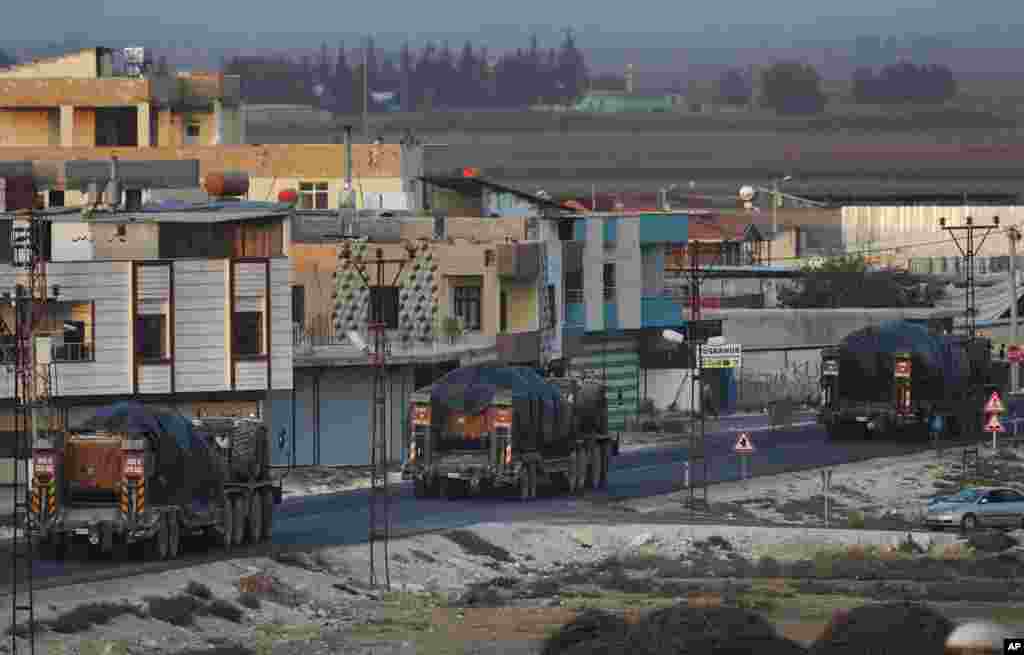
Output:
x=975 y=507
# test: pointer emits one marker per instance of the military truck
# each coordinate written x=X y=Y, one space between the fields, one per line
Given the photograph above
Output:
x=139 y=475
x=485 y=428
x=899 y=378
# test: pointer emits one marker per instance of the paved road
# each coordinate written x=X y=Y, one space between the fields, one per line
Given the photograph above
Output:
x=343 y=518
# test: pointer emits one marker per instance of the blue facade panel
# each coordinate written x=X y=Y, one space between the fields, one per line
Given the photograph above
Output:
x=663 y=228
x=611 y=230
x=657 y=311
x=580 y=229
x=575 y=315
x=611 y=316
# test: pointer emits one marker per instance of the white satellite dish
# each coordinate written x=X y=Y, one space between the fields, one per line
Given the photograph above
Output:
x=747 y=193
x=673 y=336
x=357 y=339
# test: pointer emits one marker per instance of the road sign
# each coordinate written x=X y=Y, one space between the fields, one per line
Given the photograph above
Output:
x=903 y=369
x=994 y=424
x=728 y=355
x=1015 y=354
x=995 y=404
x=744 y=446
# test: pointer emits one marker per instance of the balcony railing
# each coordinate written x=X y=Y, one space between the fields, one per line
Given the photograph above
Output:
x=72 y=352
x=573 y=296
x=317 y=344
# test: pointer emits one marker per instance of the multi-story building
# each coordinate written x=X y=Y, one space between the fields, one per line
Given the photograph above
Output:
x=85 y=99
x=491 y=306
x=159 y=306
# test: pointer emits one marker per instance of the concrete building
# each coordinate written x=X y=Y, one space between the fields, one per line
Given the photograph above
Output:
x=82 y=99
x=911 y=236
x=176 y=318
x=382 y=174
x=492 y=304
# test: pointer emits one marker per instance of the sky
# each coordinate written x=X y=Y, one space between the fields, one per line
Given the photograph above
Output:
x=664 y=23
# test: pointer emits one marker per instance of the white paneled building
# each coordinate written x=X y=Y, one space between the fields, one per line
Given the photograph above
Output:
x=202 y=334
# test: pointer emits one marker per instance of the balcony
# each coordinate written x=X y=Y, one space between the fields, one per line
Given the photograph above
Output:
x=575 y=313
x=315 y=348
x=521 y=262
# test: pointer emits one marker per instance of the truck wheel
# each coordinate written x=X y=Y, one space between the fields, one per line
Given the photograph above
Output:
x=240 y=519
x=534 y=476
x=173 y=535
x=603 y=477
x=267 y=525
x=420 y=489
x=158 y=545
x=581 y=470
x=571 y=477
x=524 y=482
x=595 y=466
x=254 y=526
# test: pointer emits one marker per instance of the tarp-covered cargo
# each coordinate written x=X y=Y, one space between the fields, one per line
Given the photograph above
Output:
x=940 y=365
x=539 y=407
x=185 y=467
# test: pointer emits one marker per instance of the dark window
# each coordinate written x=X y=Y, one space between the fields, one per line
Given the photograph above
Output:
x=566 y=229
x=467 y=306
x=313 y=195
x=117 y=126
x=56 y=198
x=133 y=200
x=387 y=297
x=574 y=281
x=248 y=333
x=609 y=281
x=151 y=337
x=552 y=307
x=299 y=304
x=503 y=311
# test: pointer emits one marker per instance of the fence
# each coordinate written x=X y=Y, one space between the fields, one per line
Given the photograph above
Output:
x=770 y=376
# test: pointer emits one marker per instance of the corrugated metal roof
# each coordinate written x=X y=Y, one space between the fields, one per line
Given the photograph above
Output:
x=214 y=212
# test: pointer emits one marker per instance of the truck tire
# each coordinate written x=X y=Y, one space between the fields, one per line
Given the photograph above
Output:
x=240 y=519
x=267 y=525
x=524 y=482
x=595 y=466
x=173 y=528
x=581 y=470
x=420 y=487
x=571 y=476
x=158 y=546
x=534 y=480
x=254 y=526
x=605 y=450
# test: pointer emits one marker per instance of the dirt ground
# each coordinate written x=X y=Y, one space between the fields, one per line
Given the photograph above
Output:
x=503 y=588
x=889 y=493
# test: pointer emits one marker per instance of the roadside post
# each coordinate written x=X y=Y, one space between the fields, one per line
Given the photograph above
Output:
x=826 y=486
x=744 y=448
x=993 y=408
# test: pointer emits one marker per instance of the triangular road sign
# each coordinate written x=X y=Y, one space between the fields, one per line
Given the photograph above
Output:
x=994 y=404
x=994 y=424
x=743 y=444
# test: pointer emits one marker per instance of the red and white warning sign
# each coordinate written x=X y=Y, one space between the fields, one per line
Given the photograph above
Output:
x=744 y=445
x=994 y=424
x=995 y=404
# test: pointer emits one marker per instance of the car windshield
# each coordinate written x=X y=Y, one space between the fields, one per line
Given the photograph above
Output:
x=965 y=496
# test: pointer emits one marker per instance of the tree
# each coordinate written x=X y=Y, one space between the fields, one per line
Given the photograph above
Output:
x=904 y=82
x=792 y=88
x=847 y=282
x=733 y=88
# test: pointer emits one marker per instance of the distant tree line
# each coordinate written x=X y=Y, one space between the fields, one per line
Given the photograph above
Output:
x=904 y=83
x=432 y=78
x=795 y=88
x=848 y=282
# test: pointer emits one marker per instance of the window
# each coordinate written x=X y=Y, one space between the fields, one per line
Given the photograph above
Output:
x=248 y=334
x=56 y=198
x=388 y=299
x=503 y=312
x=299 y=304
x=192 y=133
x=467 y=306
x=552 y=307
x=312 y=195
x=151 y=337
x=609 y=281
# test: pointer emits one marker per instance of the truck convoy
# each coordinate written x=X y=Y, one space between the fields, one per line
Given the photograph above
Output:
x=898 y=377
x=139 y=475
x=488 y=427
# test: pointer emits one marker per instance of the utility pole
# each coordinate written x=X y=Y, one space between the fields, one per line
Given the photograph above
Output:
x=1013 y=235
x=380 y=444
x=968 y=250
x=366 y=89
